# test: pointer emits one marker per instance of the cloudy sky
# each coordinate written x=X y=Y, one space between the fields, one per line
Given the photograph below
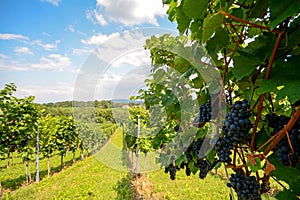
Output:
x=61 y=50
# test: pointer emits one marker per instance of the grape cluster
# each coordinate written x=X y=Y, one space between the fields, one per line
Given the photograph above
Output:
x=177 y=129
x=191 y=152
x=284 y=151
x=171 y=169
x=237 y=123
x=223 y=148
x=203 y=116
x=202 y=163
x=235 y=131
x=204 y=166
x=187 y=170
x=246 y=187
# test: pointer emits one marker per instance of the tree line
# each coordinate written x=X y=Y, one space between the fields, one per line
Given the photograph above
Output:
x=26 y=127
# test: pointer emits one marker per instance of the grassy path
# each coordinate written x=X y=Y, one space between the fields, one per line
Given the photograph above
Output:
x=87 y=179
x=90 y=179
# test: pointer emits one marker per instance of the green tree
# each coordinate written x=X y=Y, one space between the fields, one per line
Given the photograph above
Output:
x=64 y=136
x=7 y=100
x=18 y=124
x=48 y=126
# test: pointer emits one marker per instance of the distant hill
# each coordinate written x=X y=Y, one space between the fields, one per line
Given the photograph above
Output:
x=126 y=101
x=96 y=103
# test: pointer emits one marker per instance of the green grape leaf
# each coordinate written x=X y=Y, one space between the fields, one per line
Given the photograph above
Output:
x=218 y=165
x=248 y=58
x=283 y=172
x=182 y=158
x=286 y=194
x=254 y=167
x=172 y=10
x=195 y=9
x=158 y=75
x=238 y=12
x=258 y=9
x=210 y=156
x=187 y=136
x=244 y=64
x=196 y=30
x=261 y=138
x=280 y=10
x=183 y=20
x=217 y=42
x=261 y=47
x=295 y=186
x=192 y=167
x=284 y=74
x=210 y=25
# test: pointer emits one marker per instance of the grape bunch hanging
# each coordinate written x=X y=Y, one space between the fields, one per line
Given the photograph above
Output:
x=288 y=149
x=235 y=131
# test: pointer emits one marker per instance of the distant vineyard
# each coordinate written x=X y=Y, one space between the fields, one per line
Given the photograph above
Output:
x=24 y=124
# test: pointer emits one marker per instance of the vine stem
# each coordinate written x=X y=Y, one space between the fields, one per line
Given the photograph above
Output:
x=230 y=188
x=246 y=22
x=283 y=131
x=262 y=96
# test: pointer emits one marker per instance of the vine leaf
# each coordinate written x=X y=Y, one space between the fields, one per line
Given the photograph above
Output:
x=280 y=10
x=282 y=172
x=172 y=10
x=217 y=42
x=286 y=194
x=210 y=156
x=181 y=159
x=259 y=8
x=195 y=9
x=192 y=167
x=254 y=163
x=244 y=64
x=183 y=20
x=284 y=82
x=210 y=25
x=269 y=167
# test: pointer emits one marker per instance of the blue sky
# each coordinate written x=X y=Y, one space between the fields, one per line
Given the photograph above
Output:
x=46 y=44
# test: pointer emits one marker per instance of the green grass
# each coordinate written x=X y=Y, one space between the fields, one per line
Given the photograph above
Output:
x=87 y=179
x=13 y=177
x=213 y=187
x=104 y=176
x=183 y=187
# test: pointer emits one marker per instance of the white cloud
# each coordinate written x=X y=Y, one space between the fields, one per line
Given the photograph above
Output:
x=100 y=19
x=98 y=39
x=9 y=64
x=83 y=51
x=9 y=36
x=116 y=69
x=96 y=17
x=3 y=56
x=47 y=46
x=53 y=2
x=23 y=50
x=117 y=45
x=46 y=34
x=53 y=62
x=128 y=12
x=71 y=28
x=121 y=86
x=139 y=57
x=56 y=91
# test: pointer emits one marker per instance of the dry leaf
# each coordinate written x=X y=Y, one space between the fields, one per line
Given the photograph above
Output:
x=269 y=167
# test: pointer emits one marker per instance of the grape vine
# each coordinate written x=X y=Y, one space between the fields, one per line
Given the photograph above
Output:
x=254 y=45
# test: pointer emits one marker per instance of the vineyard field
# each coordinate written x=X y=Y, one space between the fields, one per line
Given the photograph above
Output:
x=87 y=179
